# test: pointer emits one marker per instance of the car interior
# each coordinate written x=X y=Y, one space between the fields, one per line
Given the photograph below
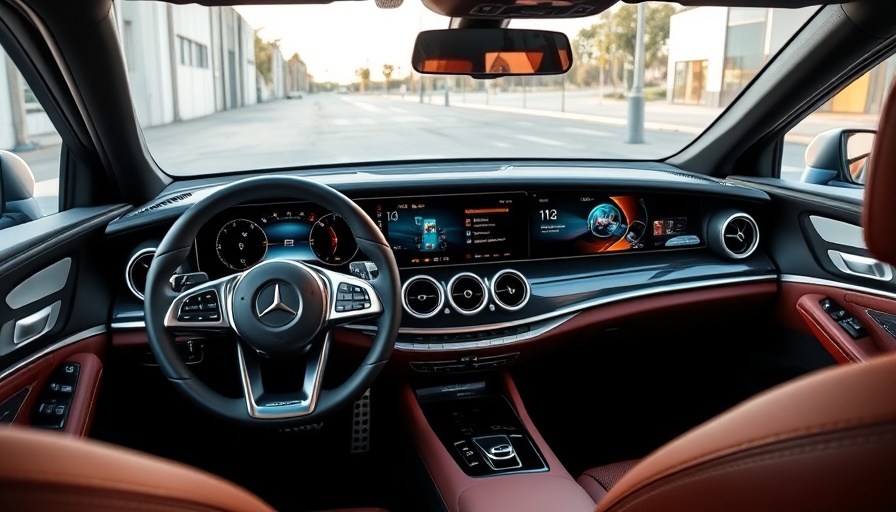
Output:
x=235 y=326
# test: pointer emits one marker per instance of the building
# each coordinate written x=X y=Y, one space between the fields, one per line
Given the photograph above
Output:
x=22 y=119
x=186 y=61
x=734 y=44
x=183 y=62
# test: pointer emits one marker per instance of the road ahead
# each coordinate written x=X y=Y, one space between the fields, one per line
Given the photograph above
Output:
x=331 y=128
x=326 y=128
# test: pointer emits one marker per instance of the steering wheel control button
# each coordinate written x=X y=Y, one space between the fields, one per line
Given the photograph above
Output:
x=183 y=282
x=365 y=270
x=200 y=307
x=351 y=298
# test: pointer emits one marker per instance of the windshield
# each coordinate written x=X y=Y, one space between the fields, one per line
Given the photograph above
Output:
x=220 y=89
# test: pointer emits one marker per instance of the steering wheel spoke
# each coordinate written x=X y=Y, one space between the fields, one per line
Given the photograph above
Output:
x=351 y=298
x=293 y=403
x=203 y=309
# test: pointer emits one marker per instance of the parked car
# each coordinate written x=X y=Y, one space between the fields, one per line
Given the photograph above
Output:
x=503 y=289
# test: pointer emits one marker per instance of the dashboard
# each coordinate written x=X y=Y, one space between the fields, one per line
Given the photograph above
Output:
x=440 y=230
x=488 y=257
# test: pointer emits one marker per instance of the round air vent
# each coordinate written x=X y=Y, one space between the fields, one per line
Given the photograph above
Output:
x=137 y=270
x=467 y=293
x=733 y=234
x=510 y=290
x=422 y=296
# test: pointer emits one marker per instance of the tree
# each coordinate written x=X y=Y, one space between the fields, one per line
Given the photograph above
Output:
x=610 y=42
x=264 y=58
x=364 y=75
x=387 y=72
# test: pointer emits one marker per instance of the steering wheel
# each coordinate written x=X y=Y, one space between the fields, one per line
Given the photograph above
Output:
x=279 y=309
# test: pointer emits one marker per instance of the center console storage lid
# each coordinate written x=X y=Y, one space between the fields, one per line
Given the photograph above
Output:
x=536 y=492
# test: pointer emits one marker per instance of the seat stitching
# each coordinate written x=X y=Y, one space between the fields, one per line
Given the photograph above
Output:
x=726 y=467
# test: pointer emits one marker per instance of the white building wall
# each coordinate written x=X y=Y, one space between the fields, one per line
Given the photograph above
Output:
x=279 y=66
x=195 y=84
x=145 y=39
x=782 y=24
x=247 y=55
x=38 y=123
x=699 y=34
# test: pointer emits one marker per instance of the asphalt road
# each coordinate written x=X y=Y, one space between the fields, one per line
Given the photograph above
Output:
x=330 y=128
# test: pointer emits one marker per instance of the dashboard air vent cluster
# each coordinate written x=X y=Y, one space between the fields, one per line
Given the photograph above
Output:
x=422 y=296
x=165 y=202
x=734 y=235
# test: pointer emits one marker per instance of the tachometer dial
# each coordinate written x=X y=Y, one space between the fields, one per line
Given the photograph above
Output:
x=332 y=241
x=241 y=243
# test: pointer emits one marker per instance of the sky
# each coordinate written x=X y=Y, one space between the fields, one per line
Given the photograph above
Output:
x=336 y=39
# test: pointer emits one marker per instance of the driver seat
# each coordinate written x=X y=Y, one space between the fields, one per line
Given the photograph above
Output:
x=46 y=471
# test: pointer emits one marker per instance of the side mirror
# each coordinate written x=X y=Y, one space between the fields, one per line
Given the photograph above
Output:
x=18 y=188
x=491 y=52
x=839 y=157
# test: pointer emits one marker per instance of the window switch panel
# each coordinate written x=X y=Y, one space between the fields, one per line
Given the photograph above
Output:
x=53 y=405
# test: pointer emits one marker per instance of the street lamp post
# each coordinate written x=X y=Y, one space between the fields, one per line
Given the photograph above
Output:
x=563 y=93
x=446 y=92
x=636 y=96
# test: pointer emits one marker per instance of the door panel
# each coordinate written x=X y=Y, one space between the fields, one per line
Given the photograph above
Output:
x=831 y=286
x=55 y=297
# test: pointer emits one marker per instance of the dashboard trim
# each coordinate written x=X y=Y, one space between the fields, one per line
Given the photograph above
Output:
x=571 y=310
x=793 y=278
x=616 y=297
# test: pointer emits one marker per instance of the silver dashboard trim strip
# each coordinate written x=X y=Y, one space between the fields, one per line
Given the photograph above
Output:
x=74 y=338
x=790 y=278
x=133 y=324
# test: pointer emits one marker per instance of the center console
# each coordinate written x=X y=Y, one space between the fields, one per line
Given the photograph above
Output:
x=480 y=430
x=484 y=453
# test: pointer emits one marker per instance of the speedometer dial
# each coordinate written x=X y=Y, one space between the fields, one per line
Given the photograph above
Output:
x=241 y=243
x=332 y=240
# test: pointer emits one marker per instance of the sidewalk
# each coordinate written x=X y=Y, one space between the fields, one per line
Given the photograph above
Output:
x=587 y=105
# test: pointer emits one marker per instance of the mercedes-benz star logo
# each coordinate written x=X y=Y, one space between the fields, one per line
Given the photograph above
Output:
x=277 y=304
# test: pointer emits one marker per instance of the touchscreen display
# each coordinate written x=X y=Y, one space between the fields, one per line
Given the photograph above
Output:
x=564 y=224
x=449 y=230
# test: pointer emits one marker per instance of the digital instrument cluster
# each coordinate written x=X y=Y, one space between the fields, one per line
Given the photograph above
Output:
x=244 y=236
x=454 y=229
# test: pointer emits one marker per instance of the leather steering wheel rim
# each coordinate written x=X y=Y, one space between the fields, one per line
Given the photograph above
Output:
x=176 y=246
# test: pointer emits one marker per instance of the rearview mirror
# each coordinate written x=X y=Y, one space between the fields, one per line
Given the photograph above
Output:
x=491 y=52
x=839 y=157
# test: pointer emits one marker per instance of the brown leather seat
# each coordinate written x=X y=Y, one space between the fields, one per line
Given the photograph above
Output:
x=826 y=441
x=46 y=471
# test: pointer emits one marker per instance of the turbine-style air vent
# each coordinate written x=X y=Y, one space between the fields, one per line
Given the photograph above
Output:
x=733 y=235
x=467 y=293
x=422 y=296
x=137 y=270
x=510 y=290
